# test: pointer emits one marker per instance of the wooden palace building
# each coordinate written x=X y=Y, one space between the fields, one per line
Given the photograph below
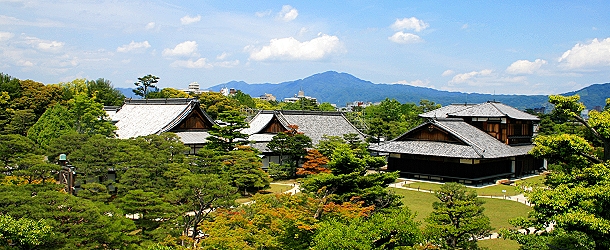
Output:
x=470 y=144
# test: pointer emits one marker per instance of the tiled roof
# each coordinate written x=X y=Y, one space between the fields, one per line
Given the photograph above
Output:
x=152 y=116
x=493 y=109
x=443 y=111
x=193 y=137
x=314 y=124
x=475 y=143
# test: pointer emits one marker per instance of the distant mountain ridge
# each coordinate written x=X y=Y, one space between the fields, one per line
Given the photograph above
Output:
x=342 y=88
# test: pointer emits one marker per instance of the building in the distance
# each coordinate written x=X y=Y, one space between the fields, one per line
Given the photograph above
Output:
x=267 y=97
x=194 y=89
x=299 y=96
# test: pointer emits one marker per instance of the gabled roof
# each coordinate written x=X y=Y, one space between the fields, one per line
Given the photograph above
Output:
x=153 y=116
x=473 y=143
x=314 y=124
x=443 y=111
x=487 y=109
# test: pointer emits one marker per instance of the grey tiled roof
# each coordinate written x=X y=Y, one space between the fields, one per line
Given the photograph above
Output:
x=493 y=109
x=193 y=137
x=314 y=124
x=152 y=116
x=475 y=143
x=443 y=111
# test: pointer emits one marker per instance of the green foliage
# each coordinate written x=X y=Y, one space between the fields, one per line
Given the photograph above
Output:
x=292 y=144
x=102 y=91
x=215 y=103
x=24 y=233
x=390 y=118
x=243 y=99
x=145 y=84
x=389 y=229
x=168 y=93
x=457 y=220
x=55 y=122
x=325 y=106
x=13 y=148
x=229 y=136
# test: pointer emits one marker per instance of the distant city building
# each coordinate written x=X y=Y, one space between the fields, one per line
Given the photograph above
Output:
x=350 y=106
x=224 y=91
x=194 y=89
x=267 y=97
x=299 y=96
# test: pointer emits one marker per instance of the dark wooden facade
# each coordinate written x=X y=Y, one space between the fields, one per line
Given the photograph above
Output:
x=274 y=126
x=195 y=121
x=507 y=130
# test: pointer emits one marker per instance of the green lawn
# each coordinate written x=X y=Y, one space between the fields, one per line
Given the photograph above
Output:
x=498 y=211
x=277 y=188
x=495 y=190
x=499 y=244
x=535 y=181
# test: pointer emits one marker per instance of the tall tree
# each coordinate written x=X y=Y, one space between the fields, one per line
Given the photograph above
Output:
x=457 y=220
x=229 y=136
x=290 y=143
x=145 y=84
x=598 y=123
x=104 y=92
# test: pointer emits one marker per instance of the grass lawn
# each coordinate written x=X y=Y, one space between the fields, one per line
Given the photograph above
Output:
x=277 y=188
x=498 y=211
x=535 y=181
x=499 y=244
x=495 y=190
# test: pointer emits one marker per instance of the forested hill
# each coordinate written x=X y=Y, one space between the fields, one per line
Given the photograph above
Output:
x=341 y=88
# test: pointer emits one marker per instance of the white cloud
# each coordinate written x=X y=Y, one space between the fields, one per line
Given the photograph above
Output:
x=288 y=13
x=24 y=63
x=448 y=72
x=525 y=66
x=139 y=46
x=291 y=49
x=465 y=26
x=222 y=56
x=44 y=45
x=150 y=26
x=411 y=23
x=188 y=19
x=417 y=83
x=200 y=63
x=594 y=54
x=263 y=13
x=404 y=38
x=186 y=48
x=461 y=78
x=5 y=36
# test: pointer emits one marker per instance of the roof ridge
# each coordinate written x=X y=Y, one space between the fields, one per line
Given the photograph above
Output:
x=493 y=105
x=475 y=147
x=183 y=114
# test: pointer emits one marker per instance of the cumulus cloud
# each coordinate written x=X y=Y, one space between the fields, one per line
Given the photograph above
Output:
x=222 y=56
x=461 y=78
x=187 y=48
x=198 y=64
x=150 y=26
x=291 y=49
x=24 y=63
x=133 y=46
x=44 y=45
x=404 y=38
x=411 y=23
x=188 y=19
x=448 y=72
x=288 y=13
x=5 y=36
x=525 y=66
x=594 y=54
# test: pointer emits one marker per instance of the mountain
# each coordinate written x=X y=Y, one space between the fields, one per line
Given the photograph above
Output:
x=342 y=88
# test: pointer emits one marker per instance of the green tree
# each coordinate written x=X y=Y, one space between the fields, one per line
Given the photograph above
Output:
x=325 y=106
x=23 y=233
x=457 y=220
x=55 y=122
x=290 y=143
x=89 y=117
x=228 y=136
x=244 y=100
x=145 y=84
x=169 y=93
x=215 y=103
x=21 y=122
x=102 y=91
x=244 y=170
x=389 y=229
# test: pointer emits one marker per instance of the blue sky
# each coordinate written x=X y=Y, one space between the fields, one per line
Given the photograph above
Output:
x=502 y=47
